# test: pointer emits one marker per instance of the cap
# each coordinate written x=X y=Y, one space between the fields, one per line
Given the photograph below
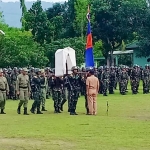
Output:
x=25 y=69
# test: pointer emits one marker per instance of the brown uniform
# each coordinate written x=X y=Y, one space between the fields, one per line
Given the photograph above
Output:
x=92 y=85
x=3 y=89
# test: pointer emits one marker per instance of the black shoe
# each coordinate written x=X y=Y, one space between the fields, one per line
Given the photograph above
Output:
x=71 y=113
x=61 y=107
x=25 y=111
x=39 y=112
x=18 y=110
x=43 y=109
x=32 y=111
x=75 y=113
x=2 y=111
x=59 y=111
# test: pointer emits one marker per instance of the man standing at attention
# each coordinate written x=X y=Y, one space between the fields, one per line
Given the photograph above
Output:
x=92 y=88
x=3 y=89
x=23 y=90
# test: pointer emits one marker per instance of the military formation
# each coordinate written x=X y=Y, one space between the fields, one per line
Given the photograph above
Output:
x=36 y=84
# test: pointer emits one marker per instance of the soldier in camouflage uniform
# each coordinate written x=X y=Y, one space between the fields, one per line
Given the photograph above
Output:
x=44 y=86
x=123 y=78
x=13 y=82
x=112 y=80
x=134 y=80
x=36 y=90
x=74 y=83
x=145 y=79
x=99 y=77
x=65 y=92
x=105 y=80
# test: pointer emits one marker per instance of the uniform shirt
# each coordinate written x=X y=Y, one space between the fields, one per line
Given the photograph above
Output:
x=23 y=82
x=92 y=84
x=4 y=84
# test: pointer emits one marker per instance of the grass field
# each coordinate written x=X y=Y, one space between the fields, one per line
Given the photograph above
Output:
x=127 y=126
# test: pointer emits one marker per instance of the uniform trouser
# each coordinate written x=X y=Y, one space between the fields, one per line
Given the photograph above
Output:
x=24 y=97
x=74 y=95
x=134 y=86
x=37 y=100
x=2 y=99
x=13 y=90
x=111 y=87
x=122 y=86
x=92 y=104
x=86 y=103
x=145 y=86
x=64 y=96
x=105 y=86
x=57 y=100
x=43 y=96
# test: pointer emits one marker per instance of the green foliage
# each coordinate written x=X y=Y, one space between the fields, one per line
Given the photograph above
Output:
x=98 y=49
x=36 y=21
x=80 y=18
x=18 y=48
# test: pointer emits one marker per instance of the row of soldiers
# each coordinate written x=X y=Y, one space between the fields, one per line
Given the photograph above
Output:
x=38 y=84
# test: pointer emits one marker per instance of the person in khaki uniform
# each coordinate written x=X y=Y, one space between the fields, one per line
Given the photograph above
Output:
x=44 y=88
x=23 y=90
x=3 y=89
x=92 y=88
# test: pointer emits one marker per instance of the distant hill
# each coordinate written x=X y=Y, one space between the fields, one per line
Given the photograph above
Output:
x=12 y=11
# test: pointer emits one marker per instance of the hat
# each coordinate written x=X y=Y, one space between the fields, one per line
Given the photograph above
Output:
x=25 y=69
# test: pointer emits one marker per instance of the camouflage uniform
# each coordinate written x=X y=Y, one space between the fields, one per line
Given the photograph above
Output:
x=36 y=90
x=105 y=80
x=57 y=95
x=145 y=79
x=123 y=77
x=74 y=83
x=112 y=79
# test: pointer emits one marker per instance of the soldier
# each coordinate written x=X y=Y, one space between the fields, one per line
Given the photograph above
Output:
x=105 y=80
x=145 y=79
x=123 y=78
x=112 y=80
x=10 y=96
x=134 y=80
x=4 y=88
x=23 y=89
x=36 y=90
x=44 y=86
x=99 y=77
x=92 y=88
x=13 y=82
x=57 y=83
x=74 y=81
x=65 y=92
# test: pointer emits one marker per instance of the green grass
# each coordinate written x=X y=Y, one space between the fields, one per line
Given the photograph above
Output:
x=127 y=126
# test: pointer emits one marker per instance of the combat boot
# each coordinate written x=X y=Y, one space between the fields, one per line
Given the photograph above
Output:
x=72 y=112
x=25 y=111
x=58 y=111
x=32 y=110
x=43 y=109
x=38 y=111
x=18 y=110
x=2 y=111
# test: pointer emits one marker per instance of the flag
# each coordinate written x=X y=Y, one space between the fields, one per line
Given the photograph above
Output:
x=89 y=58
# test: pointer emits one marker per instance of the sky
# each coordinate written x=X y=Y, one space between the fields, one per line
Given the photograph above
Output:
x=34 y=0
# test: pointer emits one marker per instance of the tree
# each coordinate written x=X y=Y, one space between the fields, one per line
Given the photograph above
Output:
x=115 y=20
x=36 y=20
x=80 y=17
x=24 y=10
x=18 y=48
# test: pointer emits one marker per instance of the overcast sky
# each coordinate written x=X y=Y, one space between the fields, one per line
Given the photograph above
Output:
x=34 y=0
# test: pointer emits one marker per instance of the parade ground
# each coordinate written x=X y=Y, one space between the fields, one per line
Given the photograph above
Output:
x=127 y=126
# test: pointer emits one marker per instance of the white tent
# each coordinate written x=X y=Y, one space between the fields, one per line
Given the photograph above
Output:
x=65 y=59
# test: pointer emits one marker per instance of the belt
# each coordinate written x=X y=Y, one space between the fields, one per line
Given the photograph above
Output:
x=2 y=89
x=23 y=87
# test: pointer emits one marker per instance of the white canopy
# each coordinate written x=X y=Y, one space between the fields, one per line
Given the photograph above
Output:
x=64 y=59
